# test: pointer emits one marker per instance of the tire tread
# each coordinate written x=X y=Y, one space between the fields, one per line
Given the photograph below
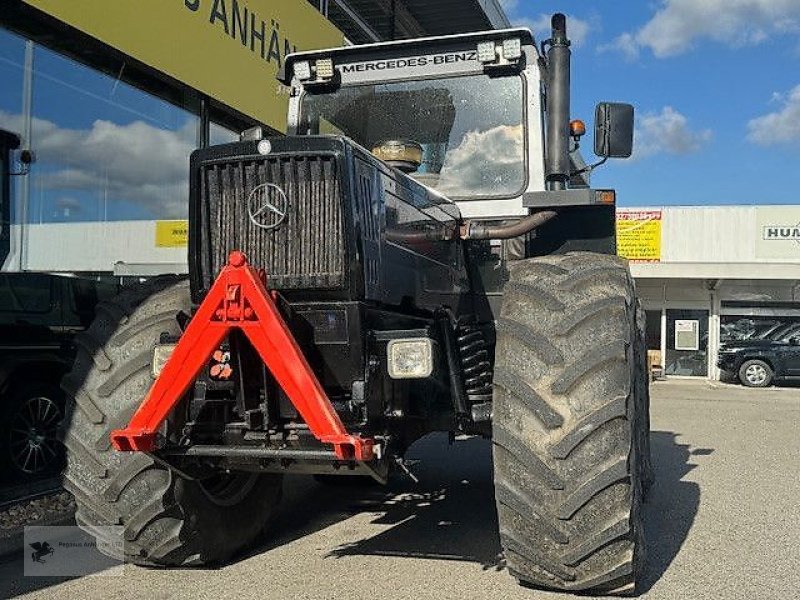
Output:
x=569 y=494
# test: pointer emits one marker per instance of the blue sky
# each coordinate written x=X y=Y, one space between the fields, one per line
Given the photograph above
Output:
x=716 y=85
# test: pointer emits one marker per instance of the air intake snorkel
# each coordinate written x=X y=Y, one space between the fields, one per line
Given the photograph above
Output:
x=557 y=159
x=558 y=105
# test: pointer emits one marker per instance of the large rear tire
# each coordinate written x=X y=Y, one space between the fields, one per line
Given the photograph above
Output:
x=569 y=425
x=167 y=520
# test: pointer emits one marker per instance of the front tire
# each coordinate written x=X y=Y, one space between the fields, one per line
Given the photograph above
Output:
x=167 y=520
x=568 y=425
x=756 y=373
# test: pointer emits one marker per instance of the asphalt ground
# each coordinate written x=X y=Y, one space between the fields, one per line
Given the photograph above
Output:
x=722 y=521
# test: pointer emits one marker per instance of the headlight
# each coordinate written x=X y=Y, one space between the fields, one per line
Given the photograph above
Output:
x=410 y=358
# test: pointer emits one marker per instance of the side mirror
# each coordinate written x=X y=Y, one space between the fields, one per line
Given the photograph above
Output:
x=613 y=130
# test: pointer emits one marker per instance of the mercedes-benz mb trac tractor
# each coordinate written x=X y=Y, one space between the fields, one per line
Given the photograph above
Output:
x=422 y=253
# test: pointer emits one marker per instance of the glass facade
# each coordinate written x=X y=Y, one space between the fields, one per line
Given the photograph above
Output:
x=653 y=329
x=12 y=61
x=777 y=327
x=105 y=151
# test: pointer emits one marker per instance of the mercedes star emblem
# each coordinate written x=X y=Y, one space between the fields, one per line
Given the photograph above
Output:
x=267 y=206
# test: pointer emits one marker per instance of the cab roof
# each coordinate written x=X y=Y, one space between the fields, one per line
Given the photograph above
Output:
x=384 y=48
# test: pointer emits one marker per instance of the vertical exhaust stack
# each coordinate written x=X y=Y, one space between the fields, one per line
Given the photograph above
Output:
x=558 y=109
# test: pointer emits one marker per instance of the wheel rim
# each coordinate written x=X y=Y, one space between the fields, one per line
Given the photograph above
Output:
x=228 y=489
x=33 y=446
x=756 y=374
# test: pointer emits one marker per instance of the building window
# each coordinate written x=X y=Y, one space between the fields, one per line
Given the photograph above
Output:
x=105 y=151
x=12 y=60
x=687 y=343
x=747 y=327
x=219 y=134
x=653 y=329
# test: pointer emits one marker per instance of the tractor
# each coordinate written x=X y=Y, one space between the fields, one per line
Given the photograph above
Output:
x=421 y=253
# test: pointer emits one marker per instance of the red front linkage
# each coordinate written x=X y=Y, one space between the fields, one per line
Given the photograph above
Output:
x=239 y=300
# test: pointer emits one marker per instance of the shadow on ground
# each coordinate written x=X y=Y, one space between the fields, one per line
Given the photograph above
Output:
x=672 y=504
x=14 y=583
x=450 y=514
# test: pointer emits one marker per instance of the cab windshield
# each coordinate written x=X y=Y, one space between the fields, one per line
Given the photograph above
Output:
x=470 y=128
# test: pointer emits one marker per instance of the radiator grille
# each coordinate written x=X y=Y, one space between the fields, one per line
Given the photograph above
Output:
x=308 y=249
x=369 y=227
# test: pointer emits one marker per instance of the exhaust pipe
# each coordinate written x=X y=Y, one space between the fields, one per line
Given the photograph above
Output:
x=558 y=109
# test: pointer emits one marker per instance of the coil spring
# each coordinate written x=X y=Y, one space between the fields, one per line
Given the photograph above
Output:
x=476 y=364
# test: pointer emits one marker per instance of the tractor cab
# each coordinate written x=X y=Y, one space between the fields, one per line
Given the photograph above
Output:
x=466 y=115
x=460 y=114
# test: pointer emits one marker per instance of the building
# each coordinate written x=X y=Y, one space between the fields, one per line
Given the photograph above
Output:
x=113 y=115
x=707 y=275
x=112 y=102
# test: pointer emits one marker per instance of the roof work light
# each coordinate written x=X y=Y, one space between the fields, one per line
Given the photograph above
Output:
x=500 y=54
x=320 y=71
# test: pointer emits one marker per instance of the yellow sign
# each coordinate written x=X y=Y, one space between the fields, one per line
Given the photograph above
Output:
x=230 y=50
x=639 y=235
x=172 y=234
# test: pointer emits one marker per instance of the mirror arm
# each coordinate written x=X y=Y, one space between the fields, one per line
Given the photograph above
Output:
x=589 y=168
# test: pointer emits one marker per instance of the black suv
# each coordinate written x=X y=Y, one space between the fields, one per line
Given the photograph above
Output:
x=758 y=362
x=39 y=317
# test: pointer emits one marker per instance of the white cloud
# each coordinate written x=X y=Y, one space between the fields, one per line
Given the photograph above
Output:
x=485 y=162
x=577 y=29
x=626 y=44
x=781 y=126
x=678 y=24
x=667 y=132
x=137 y=162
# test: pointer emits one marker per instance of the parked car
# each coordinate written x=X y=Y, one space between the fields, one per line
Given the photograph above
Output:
x=39 y=317
x=760 y=362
